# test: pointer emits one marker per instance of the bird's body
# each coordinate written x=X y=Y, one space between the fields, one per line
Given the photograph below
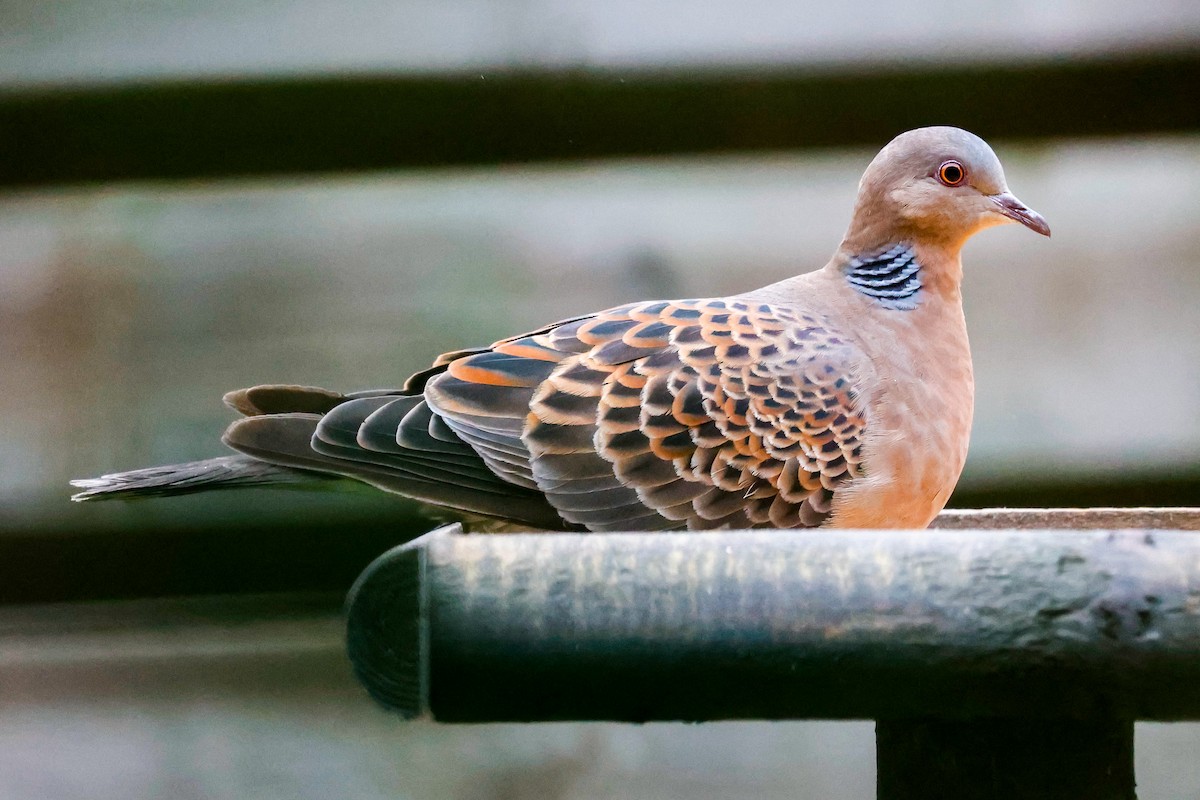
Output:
x=839 y=397
x=920 y=392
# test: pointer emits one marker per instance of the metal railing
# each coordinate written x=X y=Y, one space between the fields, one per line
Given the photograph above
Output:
x=997 y=661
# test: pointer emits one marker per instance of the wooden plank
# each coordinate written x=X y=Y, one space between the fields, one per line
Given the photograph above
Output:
x=302 y=126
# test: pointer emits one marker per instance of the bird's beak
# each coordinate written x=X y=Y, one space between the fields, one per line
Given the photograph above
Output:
x=1008 y=205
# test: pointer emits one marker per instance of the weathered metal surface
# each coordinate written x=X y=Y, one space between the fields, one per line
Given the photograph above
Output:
x=953 y=624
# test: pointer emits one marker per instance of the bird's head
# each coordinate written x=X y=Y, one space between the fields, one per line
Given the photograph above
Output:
x=938 y=185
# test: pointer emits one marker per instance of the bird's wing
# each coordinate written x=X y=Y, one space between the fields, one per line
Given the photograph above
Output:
x=387 y=438
x=697 y=413
x=391 y=439
x=693 y=413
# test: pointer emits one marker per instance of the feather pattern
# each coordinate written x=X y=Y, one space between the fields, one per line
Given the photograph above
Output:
x=664 y=415
x=893 y=277
x=702 y=413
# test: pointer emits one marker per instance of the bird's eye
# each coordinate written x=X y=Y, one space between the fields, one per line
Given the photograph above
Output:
x=952 y=173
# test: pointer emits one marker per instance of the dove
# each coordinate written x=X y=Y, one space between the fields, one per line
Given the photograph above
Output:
x=841 y=397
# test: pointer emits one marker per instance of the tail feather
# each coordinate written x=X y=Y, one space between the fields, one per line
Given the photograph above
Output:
x=226 y=472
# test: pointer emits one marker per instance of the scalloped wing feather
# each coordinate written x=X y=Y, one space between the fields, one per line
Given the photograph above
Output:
x=698 y=414
x=688 y=414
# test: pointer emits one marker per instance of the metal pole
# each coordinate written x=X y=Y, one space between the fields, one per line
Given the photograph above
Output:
x=1005 y=759
x=893 y=625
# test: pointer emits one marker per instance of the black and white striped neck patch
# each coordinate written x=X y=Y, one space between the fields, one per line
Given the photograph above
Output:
x=892 y=278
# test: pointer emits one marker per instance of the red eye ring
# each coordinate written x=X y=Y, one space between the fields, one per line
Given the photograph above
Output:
x=952 y=173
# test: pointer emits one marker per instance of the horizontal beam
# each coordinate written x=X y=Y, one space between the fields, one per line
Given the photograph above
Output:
x=254 y=545
x=263 y=543
x=228 y=128
x=948 y=624
x=1179 y=518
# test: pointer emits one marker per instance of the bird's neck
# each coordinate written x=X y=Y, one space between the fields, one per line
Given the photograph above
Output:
x=900 y=273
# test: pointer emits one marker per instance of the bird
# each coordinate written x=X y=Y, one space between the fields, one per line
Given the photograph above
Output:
x=841 y=397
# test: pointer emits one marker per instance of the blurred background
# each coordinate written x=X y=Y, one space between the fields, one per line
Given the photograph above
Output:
x=204 y=195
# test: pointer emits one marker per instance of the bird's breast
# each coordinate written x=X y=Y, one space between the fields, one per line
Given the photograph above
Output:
x=919 y=405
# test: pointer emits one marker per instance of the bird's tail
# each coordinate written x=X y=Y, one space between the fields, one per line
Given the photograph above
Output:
x=226 y=472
